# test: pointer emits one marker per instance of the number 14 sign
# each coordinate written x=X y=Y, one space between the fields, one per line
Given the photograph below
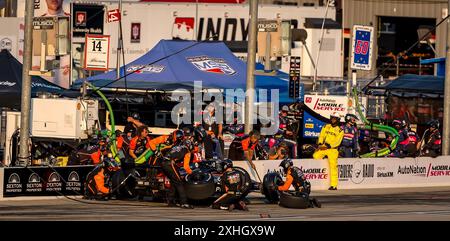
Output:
x=362 y=44
x=96 y=52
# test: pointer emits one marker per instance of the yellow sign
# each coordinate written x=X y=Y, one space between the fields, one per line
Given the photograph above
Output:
x=309 y=125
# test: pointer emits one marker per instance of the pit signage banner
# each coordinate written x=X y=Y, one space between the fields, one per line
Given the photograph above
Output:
x=362 y=45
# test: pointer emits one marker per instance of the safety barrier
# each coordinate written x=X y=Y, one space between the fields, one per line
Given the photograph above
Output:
x=353 y=173
x=363 y=173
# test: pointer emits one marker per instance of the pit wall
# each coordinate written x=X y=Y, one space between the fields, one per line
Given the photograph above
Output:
x=362 y=173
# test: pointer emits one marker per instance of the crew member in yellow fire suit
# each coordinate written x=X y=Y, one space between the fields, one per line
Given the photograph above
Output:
x=329 y=140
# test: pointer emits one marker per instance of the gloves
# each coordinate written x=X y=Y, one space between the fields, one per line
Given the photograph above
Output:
x=279 y=182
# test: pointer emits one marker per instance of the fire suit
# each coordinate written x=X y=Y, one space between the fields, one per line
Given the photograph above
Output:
x=349 y=145
x=331 y=137
x=431 y=143
x=170 y=168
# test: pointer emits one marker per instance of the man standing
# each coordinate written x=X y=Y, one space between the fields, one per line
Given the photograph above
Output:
x=349 y=145
x=329 y=140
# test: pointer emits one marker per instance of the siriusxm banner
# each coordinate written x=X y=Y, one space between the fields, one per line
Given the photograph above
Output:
x=311 y=126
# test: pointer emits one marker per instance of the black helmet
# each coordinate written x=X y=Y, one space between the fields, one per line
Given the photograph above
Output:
x=187 y=131
x=199 y=134
x=433 y=123
x=286 y=163
x=225 y=164
x=135 y=116
x=177 y=136
x=348 y=117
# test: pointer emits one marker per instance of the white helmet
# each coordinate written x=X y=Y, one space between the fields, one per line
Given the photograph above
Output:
x=336 y=115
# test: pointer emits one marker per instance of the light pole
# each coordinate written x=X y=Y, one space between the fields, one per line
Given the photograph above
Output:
x=251 y=60
x=24 y=152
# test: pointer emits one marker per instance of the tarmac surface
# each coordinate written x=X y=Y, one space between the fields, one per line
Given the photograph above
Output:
x=423 y=204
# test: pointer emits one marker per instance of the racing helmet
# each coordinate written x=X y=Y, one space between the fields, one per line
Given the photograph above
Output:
x=177 y=136
x=199 y=134
x=433 y=123
x=227 y=163
x=348 y=117
x=135 y=116
x=286 y=163
x=397 y=122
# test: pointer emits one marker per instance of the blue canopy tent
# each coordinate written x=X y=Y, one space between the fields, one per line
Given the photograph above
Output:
x=176 y=64
x=11 y=83
x=410 y=85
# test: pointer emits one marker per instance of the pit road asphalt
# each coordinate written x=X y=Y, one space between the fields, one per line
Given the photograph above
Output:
x=425 y=204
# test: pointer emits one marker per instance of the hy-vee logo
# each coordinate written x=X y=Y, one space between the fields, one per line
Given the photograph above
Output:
x=211 y=65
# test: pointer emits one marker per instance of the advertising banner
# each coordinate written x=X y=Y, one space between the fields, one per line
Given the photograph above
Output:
x=362 y=173
x=88 y=19
x=311 y=126
x=325 y=105
x=44 y=181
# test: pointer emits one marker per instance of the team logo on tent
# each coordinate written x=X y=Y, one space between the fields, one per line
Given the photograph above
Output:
x=140 y=69
x=211 y=65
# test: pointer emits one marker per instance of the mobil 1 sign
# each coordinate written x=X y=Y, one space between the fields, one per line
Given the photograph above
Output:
x=96 y=52
x=362 y=44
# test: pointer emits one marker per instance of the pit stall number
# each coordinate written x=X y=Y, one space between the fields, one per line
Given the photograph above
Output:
x=96 y=52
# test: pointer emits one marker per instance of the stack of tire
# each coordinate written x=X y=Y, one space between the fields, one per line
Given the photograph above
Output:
x=285 y=199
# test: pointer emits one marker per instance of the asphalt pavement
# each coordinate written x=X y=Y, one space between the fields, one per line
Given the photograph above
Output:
x=350 y=205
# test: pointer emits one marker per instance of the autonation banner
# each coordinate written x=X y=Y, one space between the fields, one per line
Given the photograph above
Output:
x=361 y=173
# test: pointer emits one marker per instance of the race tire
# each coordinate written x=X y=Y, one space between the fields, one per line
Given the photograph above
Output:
x=127 y=189
x=199 y=185
x=246 y=188
x=270 y=188
x=290 y=200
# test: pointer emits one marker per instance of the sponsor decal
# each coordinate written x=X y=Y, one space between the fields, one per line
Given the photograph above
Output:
x=309 y=125
x=183 y=28
x=315 y=173
x=211 y=65
x=382 y=173
x=311 y=134
x=414 y=170
x=14 y=184
x=73 y=182
x=323 y=104
x=438 y=170
x=54 y=183
x=156 y=69
x=356 y=172
x=7 y=83
x=34 y=184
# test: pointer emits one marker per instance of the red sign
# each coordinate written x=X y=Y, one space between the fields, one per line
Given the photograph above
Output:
x=113 y=15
